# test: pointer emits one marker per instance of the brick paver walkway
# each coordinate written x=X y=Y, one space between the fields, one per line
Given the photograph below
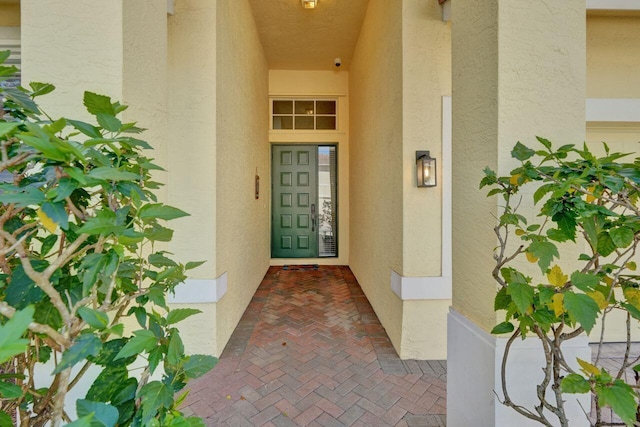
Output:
x=309 y=350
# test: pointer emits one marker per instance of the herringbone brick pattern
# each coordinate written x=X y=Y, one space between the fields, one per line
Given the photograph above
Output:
x=309 y=350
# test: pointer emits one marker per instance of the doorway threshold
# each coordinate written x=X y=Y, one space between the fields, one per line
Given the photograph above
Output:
x=300 y=267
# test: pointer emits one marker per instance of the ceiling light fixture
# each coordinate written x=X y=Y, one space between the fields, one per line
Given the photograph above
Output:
x=309 y=4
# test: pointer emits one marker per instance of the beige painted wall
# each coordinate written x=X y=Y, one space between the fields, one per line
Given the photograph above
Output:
x=535 y=88
x=119 y=55
x=192 y=154
x=376 y=161
x=9 y=15
x=426 y=76
x=51 y=55
x=319 y=84
x=613 y=57
x=242 y=222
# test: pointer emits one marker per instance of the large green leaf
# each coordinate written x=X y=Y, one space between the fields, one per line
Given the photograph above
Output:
x=522 y=152
x=48 y=243
x=586 y=282
x=95 y=318
x=112 y=174
x=47 y=314
x=86 y=128
x=606 y=246
x=622 y=236
x=45 y=146
x=160 y=211
x=175 y=352
x=566 y=221
x=575 y=383
x=23 y=291
x=11 y=341
x=57 y=213
x=582 y=309
x=39 y=89
x=143 y=341
x=101 y=225
x=198 y=365
x=545 y=252
x=108 y=353
x=109 y=122
x=159 y=260
x=621 y=398
x=155 y=396
x=82 y=422
x=104 y=415
x=96 y=103
x=21 y=99
x=21 y=197
x=158 y=233
x=84 y=346
x=7 y=127
x=9 y=390
x=502 y=328
x=179 y=314
x=522 y=295
x=5 y=419
x=108 y=384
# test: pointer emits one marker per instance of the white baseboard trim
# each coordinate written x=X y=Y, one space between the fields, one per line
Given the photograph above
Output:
x=200 y=291
x=613 y=5
x=420 y=288
x=446 y=11
x=613 y=109
x=474 y=359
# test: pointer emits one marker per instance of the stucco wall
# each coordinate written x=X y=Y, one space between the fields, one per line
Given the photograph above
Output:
x=426 y=75
x=242 y=236
x=613 y=57
x=192 y=154
x=497 y=102
x=319 y=84
x=376 y=160
x=474 y=145
x=51 y=55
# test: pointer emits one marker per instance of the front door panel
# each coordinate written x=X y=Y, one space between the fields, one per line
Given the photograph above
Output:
x=295 y=194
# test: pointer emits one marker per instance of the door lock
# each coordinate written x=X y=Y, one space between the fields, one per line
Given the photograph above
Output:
x=313 y=217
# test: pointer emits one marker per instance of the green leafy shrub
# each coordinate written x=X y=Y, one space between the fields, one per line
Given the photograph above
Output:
x=79 y=224
x=581 y=200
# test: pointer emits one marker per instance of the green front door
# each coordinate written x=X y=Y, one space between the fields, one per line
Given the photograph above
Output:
x=294 y=201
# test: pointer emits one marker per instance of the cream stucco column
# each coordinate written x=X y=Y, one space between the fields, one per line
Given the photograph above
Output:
x=117 y=48
x=518 y=71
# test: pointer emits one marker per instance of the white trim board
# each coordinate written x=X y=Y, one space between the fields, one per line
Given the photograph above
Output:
x=446 y=11
x=613 y=109
x=194 y=291
x=474 y=359
x=613 y=5
x=417 y=288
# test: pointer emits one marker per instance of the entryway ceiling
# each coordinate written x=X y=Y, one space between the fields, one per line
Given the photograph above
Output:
x=295 y=38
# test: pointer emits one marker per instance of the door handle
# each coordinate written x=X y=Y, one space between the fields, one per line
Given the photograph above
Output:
x=313 y=217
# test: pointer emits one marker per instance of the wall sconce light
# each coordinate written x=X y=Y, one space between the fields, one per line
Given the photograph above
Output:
x=309 y=4
x=425 y=169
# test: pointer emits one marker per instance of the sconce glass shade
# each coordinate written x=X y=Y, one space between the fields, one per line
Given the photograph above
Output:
x=309 y=4
x=425 y=169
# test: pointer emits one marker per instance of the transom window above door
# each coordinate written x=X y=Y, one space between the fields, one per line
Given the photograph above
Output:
x=304 y=114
